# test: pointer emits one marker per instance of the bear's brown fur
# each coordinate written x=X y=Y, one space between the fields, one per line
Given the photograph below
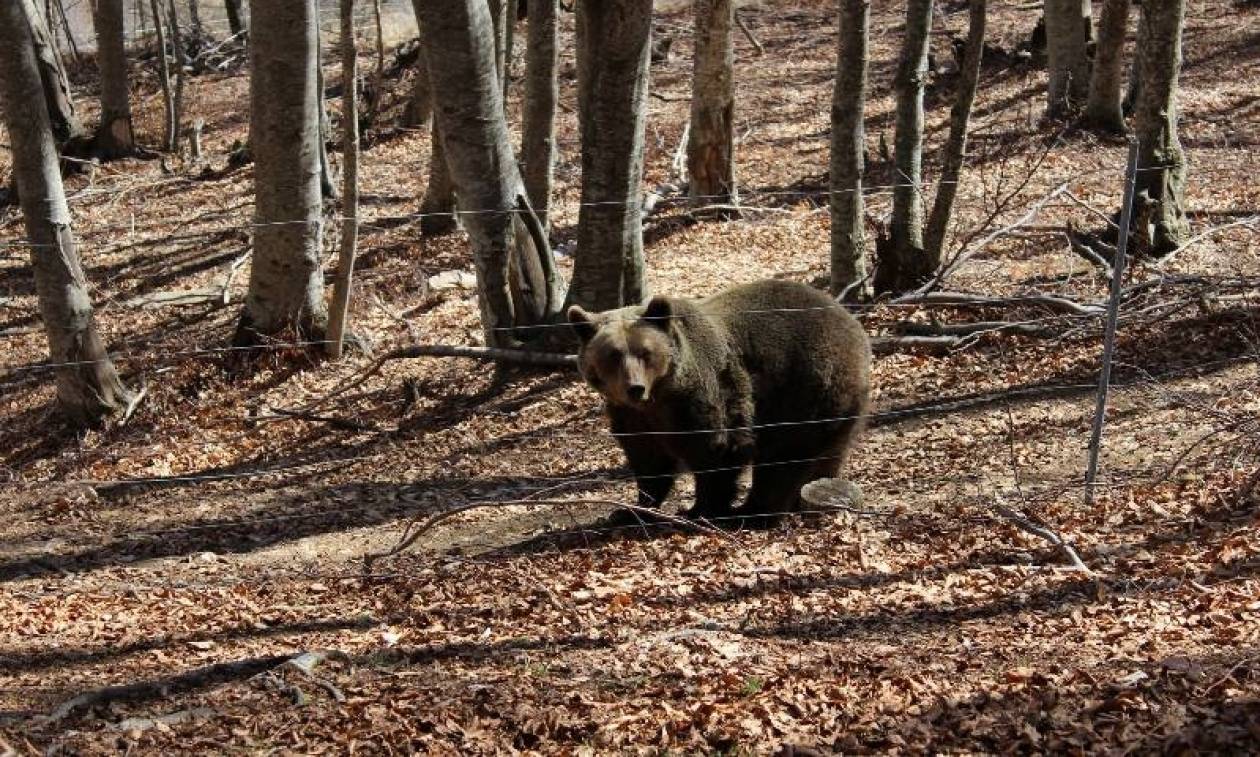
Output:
x=771 y=374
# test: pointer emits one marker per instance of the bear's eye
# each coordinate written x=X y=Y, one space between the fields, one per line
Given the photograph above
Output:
x=614 y=356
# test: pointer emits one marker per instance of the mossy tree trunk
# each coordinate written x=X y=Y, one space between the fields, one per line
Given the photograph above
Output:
x=1068 y=30
x=613 y=47
x=1104 y=110
x=956 y=145
x=711 y=146
x=1160 y=216
x=88 y=387
x=903 y=264
x=286 y=285
x=516 y=275
x=114 y=137
x=538 y=128
x=848 y=104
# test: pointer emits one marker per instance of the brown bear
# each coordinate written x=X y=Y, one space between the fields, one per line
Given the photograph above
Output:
x=772 y=374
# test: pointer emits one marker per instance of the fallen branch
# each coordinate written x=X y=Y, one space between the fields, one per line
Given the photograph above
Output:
x=344 y=424
x=882 y=345
x=912 y=328
x=413 y=532
x=964 y=299
x=739 y=21
x=1043 y=531
x=1249 y=222
x=1096 y=251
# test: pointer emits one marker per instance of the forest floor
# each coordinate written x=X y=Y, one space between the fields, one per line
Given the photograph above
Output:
x=189 y=552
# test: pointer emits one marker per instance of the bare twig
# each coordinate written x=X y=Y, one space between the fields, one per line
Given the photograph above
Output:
x=743 y=27
x=1042 y=531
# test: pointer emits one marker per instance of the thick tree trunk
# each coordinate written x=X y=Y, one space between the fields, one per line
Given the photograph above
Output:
x=1104 y=110
x=711 y=146
x=498 y=16
x=956 y=145
x=538 y=130
x=88 y=388
x=1160 y=213
x=52 y=75
x=515 y=271
x=903 y=264
x=613 y=48
x=848 y=104
x=1068 y=29
x=169 y=140
x=437 y=210
x=235 y=18
x=114 y=138
x=286 y=285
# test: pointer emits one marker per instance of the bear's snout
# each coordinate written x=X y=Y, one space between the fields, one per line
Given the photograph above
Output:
x=637 y=392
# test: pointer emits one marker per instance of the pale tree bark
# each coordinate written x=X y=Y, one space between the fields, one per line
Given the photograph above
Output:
x=339 y=311
x=1068 y=30
x=1160 y=216
x=419 y=109
x=88 y=387
x=177 y=44
x=52 y=75
x=286 y=285
x=509 y=43
x=235 y=17
x=498 y=16
x=516 y=275
x=327 y=181
x=170 y=135
x=437 y=210
x=114 y=137
x=902 y=263
x=538 y=130
x=956 y=145
x=1104 y=110
x=848 y=104
x=711 y=146
x=613 y=49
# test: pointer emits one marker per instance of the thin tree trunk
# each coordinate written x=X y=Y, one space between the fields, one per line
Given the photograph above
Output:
x=498 y=16
x=327 y=181
x=88 y=387
x=169 y=141
x=437 y=210
x=711 y=147
x=65 y=26
x=339 y=312
x=1160 y=217
x=114 y=138
x=378 y=80
x=52 y=75
x=956 y=145
x=286 y=285
x=1068 y=29
x=181 y=63
x=538 y=132
x=848 y=103
x=194 y=19
x=613 y=47
x=509 y=44
x=903 y=264
x=1104 y=110
x=235 y=18
x=512 y=268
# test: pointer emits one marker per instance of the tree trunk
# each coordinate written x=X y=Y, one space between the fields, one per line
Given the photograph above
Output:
x=1104 y=110
x=194 y=19
x=327 y=181
x=711 y=146
x=515 y=271
x=88 y=388
x=538 y=132
x=286 y=285
x=509 y=44
x=235 y=18
x=848 y=104
x=956 y=145
x=52 y=75
x=169 y=140
x=1160 y=217
x=339 y=312
x=1068 y=29
x=903 y=264
x=114 y=138
x=437 y=210
x=419 y=108
x=498 y=16
x=181 y=63
x=613 y=48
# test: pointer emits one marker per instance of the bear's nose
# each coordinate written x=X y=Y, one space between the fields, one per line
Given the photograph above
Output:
x=636 y=391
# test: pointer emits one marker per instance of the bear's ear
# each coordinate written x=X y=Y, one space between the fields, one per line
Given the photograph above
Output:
x=658 y=312
x=581 y=322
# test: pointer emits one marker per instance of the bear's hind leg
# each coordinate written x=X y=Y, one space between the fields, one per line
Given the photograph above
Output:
x=715 y=493
x=776 y=491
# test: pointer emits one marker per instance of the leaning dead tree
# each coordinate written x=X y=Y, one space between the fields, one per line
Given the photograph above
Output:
x=516 y=276
x=88 y=387
x=711 y=142
x=114 y=137
x=286 y=284
x=1160 y=215
x=52 y=75
x=1104 y=110
x=848 y=103
x=903 y=263
x=613 y=49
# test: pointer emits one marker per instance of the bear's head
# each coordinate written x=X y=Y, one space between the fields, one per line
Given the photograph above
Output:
x=627 y=355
